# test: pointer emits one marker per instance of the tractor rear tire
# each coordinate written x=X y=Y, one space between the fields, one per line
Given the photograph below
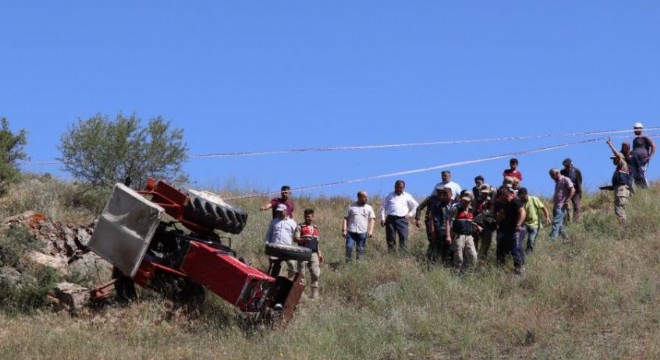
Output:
x=222 y=217
x=289 y=252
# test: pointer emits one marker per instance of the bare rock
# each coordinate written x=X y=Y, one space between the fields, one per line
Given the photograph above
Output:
x=56 y=262
x=383 y=291
x=21 y=218
x=71 y=297
x=84 y=234
x=89 y=265
x=69 y=237
x=10 y=276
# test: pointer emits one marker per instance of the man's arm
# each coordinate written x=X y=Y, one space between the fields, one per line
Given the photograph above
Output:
x=570 y=196
x=522 y=215
x=293 y=228
x=412 y=205
x=431 y=227
x=651 y=147
x=609 y=143
x=344 y=227
x=448 y=231
x=372 y=222
x=545 y=213
x=269 y=233
x=266 y=206
x=420 y=208
x=382 y=210
x=578 y=176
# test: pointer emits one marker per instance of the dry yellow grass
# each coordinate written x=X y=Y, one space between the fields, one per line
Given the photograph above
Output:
x=595 y=297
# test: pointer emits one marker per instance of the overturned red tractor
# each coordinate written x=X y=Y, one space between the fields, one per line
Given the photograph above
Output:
x=165 y=239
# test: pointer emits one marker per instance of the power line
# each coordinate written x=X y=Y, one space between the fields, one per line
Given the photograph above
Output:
x=371 y=147
x=419 y=170
x=444 y=142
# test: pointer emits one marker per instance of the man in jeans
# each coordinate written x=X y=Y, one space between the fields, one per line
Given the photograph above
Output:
x=510 y=218
x=533 y=223
x=564 y=192
x=643 y=149
x=575 y=175
x=358 y=225
x=396 y=208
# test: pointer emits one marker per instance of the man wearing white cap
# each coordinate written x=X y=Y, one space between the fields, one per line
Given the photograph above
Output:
x=642 y=152
x=280 y=231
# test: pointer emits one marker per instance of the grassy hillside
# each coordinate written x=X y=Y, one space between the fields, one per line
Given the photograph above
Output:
x=596 y=296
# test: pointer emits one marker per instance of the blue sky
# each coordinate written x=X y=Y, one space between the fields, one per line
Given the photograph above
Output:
x=270 y=76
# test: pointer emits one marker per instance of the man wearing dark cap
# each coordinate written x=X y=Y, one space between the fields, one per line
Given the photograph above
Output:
x=573 y=173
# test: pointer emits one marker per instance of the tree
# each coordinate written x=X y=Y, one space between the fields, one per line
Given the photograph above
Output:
x=101 y=152
x=11 y=150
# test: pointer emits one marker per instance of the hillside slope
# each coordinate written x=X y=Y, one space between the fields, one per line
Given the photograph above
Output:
x=593 y=297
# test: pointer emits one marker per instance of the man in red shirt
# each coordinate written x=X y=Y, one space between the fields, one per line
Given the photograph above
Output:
x=285 y=198
x=512 y=171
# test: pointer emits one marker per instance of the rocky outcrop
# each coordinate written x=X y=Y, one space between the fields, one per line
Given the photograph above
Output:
x=62 y=248
x=68 y=296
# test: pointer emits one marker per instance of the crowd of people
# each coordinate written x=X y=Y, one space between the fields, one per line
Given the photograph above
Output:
x=461 y=224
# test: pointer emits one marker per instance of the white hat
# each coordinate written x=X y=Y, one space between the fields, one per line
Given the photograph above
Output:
x=638 y=126
x=280 y=207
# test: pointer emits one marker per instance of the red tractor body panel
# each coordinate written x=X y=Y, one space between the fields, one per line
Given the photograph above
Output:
x=226 y=276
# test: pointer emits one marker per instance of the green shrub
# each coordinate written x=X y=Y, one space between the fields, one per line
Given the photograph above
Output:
x=14 y=244
x=29 y=293
x=26 y=291
x=57 y=199
x=11 y=151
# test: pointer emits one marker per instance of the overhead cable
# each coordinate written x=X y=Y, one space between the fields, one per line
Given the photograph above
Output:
x=435 y=167
x=369 y=147
x=444 y=142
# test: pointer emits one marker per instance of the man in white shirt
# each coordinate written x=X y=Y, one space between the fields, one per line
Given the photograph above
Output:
x=280 y=232
x=358 y=225
x=446 y=182
x=397 y=206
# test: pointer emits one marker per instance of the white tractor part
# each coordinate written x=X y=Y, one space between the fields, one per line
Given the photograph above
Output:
x=125 y=228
